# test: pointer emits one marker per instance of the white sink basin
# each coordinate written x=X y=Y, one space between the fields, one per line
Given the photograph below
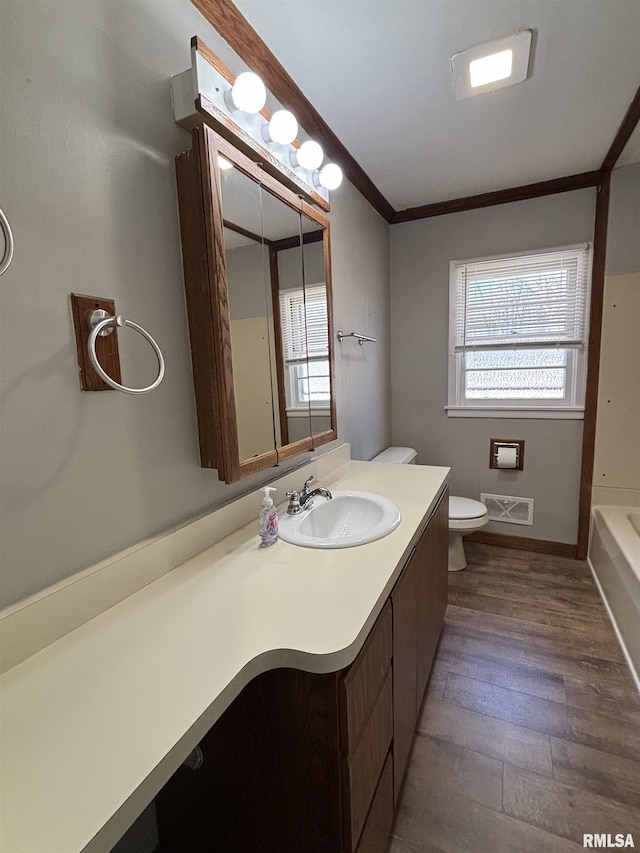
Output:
x=350 y=518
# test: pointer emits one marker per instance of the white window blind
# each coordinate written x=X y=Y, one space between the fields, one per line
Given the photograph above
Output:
x=532 y=301
x=300 y=339
x=305 y=347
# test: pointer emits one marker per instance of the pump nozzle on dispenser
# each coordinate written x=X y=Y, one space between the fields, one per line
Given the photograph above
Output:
x=267 y=500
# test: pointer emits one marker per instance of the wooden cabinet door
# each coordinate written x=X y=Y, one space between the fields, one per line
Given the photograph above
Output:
x=431 y=591
x=403 y=602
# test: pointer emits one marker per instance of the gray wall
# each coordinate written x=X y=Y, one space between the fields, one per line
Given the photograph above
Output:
x=87 y=180
x=623 y=233
x=249 y=293
x=289 y=272
x=420 y=256
x=360 y=252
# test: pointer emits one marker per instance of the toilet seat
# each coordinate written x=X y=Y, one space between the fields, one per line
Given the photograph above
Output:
x=466 y=514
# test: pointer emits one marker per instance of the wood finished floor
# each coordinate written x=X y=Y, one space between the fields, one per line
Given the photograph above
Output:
x=530 y=731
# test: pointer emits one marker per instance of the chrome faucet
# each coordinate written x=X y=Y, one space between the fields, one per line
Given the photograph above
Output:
x=304 y=498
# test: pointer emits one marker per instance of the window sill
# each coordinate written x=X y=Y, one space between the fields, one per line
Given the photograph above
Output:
x=528 y=412
x=304 y=413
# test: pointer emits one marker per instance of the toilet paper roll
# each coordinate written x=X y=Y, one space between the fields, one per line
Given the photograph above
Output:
x=507 y=457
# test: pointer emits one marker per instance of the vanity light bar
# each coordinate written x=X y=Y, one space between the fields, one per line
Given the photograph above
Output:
x=242 y=101
x=248 y=94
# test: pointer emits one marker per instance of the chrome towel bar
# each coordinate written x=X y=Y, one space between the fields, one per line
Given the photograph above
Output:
x=360 y=338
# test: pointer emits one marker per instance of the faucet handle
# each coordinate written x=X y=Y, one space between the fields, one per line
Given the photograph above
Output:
x=294 y=502
x=308 y=482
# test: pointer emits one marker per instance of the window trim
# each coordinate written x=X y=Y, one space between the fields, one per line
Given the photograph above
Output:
x=573 y=413
x=571 y=407
x=294 y=404
x=305 y=412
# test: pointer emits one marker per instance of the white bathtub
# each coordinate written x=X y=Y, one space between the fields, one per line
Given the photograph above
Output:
x=614 y=557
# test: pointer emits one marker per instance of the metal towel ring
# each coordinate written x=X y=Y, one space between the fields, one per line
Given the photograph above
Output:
x=8 y=243
x=103 y=324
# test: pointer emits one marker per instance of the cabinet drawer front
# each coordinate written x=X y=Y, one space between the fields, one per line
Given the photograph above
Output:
x=364 y=766
x=376 y=829
x=362 y=684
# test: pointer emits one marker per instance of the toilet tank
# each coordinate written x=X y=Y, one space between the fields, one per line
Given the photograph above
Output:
x=399 y=455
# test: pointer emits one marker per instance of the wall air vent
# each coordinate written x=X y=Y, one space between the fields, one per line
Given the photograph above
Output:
x=509 y=509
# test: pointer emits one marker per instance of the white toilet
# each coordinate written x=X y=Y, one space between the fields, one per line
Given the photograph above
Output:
x=465 y=514
x=401 y=455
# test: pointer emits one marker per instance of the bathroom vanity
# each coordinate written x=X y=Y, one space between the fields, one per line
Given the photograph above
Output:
x=314 y=762
x=299 y=671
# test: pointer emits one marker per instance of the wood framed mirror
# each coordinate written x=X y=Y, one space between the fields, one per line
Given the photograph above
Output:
x=257 y=267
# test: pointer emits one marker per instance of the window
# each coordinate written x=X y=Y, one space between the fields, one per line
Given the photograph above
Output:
x=518 y=333
x=305 y=348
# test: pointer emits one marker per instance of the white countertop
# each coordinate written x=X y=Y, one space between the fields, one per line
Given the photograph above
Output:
x=94 y=724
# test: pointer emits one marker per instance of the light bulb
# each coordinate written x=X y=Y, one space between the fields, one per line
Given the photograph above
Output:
x=309 y=155
x=490 y=69
x=283 y=128
x=247 y=94
x=224 y=164
x=330 y=176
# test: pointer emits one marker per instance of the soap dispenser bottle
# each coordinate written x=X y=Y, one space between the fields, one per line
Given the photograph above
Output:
x=268 y=519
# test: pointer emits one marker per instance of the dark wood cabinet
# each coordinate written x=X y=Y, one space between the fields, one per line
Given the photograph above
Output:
x=419 y=600
x=403 y=600
x=432 y=555
x=308 y=763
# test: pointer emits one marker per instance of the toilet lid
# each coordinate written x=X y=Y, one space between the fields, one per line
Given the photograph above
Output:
x=465 y=508
x=402 y=455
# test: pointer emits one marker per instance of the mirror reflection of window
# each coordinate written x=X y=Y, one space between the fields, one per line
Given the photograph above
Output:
x=317 y=381
x=302 y=307
x=305 y=334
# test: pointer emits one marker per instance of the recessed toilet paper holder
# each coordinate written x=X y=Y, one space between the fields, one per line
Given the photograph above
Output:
x=516 y=444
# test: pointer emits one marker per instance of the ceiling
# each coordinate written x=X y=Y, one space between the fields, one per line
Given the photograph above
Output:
x=378 y=72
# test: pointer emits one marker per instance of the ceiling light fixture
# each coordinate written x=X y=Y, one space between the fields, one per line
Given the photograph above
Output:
x=492 y=65
x=282 y=128
x=248 y=93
